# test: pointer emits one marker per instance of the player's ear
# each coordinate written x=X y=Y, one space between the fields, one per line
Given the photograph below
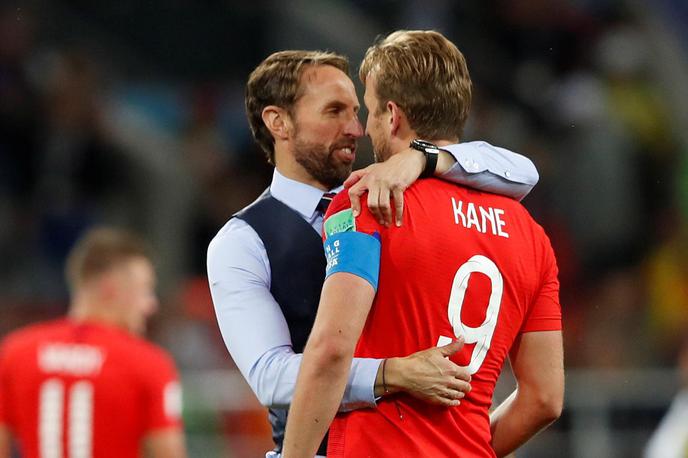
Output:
x=278 y=121
x=107 y=286
x=396 y=117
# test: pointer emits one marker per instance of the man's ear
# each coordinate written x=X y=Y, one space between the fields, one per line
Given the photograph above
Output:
x=107 y=285
x=396 y=117
x=278 y=121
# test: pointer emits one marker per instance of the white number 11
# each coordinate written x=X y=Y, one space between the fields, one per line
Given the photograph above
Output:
x=482 y=335
x=79 y=419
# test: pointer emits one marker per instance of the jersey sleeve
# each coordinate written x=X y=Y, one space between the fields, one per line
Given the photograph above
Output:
x=365 y=222
x=545 y=312
x=351 y=244
x=163 y=395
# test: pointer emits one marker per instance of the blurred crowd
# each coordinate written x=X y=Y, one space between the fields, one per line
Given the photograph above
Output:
x=133 y=115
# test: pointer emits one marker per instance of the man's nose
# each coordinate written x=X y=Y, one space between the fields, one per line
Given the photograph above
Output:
x=354 y=128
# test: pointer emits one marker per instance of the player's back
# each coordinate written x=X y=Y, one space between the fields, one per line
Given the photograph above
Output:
x=464 y=263
x=84 y=390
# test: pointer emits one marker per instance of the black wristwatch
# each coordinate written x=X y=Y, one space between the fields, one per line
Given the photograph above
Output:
x=431 y=153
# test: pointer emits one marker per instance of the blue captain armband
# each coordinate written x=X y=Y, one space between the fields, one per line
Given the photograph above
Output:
x=354 y=252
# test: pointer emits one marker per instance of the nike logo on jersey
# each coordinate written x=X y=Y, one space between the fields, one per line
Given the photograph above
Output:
x=485 y=220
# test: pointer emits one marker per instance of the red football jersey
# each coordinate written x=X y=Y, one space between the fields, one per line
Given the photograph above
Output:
x=84 y=390
x=463 y=263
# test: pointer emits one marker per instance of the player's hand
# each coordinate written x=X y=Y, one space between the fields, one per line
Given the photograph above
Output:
x=385 y=182
x=429 y=375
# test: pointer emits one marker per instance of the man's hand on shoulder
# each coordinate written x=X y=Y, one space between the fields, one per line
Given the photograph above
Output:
x=383 y=181
x=386 y=182
x=428 y=375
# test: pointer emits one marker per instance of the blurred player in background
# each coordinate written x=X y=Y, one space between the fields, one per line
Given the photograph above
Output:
x=465 y=263
x=88 y=385
x=266 y=266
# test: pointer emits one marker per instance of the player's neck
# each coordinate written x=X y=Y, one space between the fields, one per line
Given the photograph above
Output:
x=436 y=141
x=88 y=308
x=445 y=142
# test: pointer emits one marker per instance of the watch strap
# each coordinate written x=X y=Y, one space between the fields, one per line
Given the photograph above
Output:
x=431 y=153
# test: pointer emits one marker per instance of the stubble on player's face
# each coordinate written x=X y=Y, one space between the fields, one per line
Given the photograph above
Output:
x=374 y=125
x=381 y=147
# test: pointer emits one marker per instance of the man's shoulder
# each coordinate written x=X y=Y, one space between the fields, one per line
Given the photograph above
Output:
x=340 y=202
x=153 y=352
x=339 y=216
x=241 y=229
x=236 y=232
x=142 y=351
x=228 y=230
x=31 y=334
x=237 y=224
x=430 y=188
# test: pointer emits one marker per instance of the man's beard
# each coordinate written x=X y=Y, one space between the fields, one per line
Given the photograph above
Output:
x=321 y=164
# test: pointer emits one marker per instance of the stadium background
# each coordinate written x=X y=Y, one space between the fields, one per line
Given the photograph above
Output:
x=131 y=112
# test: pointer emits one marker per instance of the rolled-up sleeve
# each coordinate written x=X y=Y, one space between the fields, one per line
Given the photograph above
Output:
x=493 y=169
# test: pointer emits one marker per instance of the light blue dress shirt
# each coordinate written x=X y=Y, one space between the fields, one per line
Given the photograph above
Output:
x=251 y=322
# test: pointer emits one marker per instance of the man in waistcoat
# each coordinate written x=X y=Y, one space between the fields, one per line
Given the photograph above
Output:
x=266 y=266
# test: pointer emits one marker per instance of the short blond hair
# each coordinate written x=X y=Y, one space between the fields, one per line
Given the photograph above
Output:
x=101 y=250
x=427 y=76
x=277 y=81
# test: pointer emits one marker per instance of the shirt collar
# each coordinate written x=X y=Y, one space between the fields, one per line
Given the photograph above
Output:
x=298 y=196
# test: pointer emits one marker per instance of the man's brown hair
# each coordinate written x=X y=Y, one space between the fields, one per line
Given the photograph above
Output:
x=426 y=75
x=100 y=250
x=277 y=81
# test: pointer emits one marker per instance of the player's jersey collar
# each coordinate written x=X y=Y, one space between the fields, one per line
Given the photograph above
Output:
x=299 y=196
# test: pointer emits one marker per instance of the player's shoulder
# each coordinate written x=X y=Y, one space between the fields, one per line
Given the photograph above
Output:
x=132 y=353
x=495 y=201
x=146 y=350
x=32 y=333
x=144 y=358
x=340 y=202
x=339 y=216
x=154 y=362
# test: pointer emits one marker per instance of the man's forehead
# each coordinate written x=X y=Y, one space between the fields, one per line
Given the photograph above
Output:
x=315 y=73
x=327 y=81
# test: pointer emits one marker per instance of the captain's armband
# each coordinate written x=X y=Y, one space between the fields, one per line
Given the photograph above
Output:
x=348 y=250
x=356 y=253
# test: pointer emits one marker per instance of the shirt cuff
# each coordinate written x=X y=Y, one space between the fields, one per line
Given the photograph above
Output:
x=480 y=156
x=360 y=391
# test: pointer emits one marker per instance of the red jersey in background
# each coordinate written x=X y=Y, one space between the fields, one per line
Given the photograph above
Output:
x=84 y=390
